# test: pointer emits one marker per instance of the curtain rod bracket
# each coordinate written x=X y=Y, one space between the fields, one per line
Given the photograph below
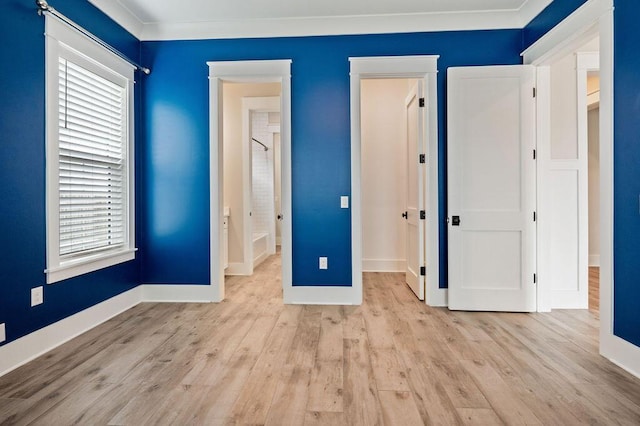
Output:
x=43 y=7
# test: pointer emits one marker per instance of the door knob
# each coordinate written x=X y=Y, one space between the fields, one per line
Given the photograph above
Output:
x=405 y=215
x=455 y=221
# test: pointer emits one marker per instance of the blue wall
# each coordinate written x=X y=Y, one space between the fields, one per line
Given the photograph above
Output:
x=626 y=215
x=626 y=235
x=176 y=223
x=22 y=160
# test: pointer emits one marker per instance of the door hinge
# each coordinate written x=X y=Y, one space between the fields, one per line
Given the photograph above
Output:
x=534 y=154
x=421 y=102
x=422 y=158
x=423 y=271
x=535 y=92
x=534 y=216
x=535 y=279
x=423 y=214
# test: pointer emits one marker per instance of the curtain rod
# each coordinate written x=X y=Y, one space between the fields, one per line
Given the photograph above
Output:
x=266 y=148
x=43 y=7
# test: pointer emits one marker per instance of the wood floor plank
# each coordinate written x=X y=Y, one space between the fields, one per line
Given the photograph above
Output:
x=289 y=405
x=479 y=417
x=507 y=406
x=399 y=408
x=326 y=388
x=393 y=360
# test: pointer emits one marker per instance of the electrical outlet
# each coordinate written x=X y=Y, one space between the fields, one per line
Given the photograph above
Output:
x=3 y=333
x=344 y=202
x=37 y=296
x=324 y=263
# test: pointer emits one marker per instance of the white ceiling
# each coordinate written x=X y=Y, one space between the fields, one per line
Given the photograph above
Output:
x=194 y=19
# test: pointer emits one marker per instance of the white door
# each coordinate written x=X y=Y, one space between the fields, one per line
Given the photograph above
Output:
x=491 y=188
x=415 y=193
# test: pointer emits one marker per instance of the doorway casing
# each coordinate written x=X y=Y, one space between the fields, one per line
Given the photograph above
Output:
x=267 y=71
x=419 y=67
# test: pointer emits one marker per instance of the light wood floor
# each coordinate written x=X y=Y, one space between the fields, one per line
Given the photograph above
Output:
x=393 y=361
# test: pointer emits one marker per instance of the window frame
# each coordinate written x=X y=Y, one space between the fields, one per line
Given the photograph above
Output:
x=66 y=42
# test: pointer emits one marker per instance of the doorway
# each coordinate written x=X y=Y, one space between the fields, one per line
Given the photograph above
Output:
x=234 y=80
x=389 y=128
x=424 y=70
x=251 y=122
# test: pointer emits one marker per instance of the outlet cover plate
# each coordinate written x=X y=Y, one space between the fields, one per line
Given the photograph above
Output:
x=344 y=202
x=37 y=296
x=324 y=263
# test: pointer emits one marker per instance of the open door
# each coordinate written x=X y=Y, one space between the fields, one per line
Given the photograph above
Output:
x=491 y=188
x=414 y=215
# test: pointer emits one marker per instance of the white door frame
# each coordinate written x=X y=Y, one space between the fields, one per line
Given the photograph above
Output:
x=422 y=67
x=592 y=18
x=270 y=71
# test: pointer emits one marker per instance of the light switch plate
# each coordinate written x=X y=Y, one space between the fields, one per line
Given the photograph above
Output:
x=37 y=296
x=3 y=333
x=344 y=202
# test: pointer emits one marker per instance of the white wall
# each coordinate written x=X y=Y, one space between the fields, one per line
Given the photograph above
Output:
x=232 y=135
x=262 y=193
x=384 y=175
x=594 y=187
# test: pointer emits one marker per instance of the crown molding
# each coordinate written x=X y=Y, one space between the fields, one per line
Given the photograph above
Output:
x=316 y=26
x=531 y=9
x=123 y=16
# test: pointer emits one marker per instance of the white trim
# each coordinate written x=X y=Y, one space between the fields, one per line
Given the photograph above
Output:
x=247 y=71
x=438 y=298
x=176 y=293
x=384 y=265
x=424 y=67
x=612 y=347
x=123 y=16
x=322 y=295
x=594 y=260
x=530 y=9
x=237 y=268
x=323 y=25
x=569 y=35
x=31 y=346
x=86 y=265
x=622 y=353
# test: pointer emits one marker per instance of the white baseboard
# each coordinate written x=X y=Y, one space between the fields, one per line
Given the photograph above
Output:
x=594 y=260
x=236 y=268
x=261 y=258
x=324 y=295
x=437 y=298
x=384 y=265
x=177 y=293
x=622 y=353
x=31 y=346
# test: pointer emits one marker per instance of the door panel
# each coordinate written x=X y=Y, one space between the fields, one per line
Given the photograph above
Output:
x=491 y=188
x=415 y=194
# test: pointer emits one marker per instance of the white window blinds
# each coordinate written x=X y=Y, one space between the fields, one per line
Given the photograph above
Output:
x=92 y=158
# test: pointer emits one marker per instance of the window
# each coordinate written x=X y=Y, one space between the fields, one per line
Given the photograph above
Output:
x=89 y=122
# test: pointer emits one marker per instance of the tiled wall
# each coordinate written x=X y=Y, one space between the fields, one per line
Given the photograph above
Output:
x=262 y=174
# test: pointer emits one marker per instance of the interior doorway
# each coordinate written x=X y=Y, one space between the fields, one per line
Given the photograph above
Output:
x=424 y=70
x=232 y=143
x=389 y=141
x=251 y=122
